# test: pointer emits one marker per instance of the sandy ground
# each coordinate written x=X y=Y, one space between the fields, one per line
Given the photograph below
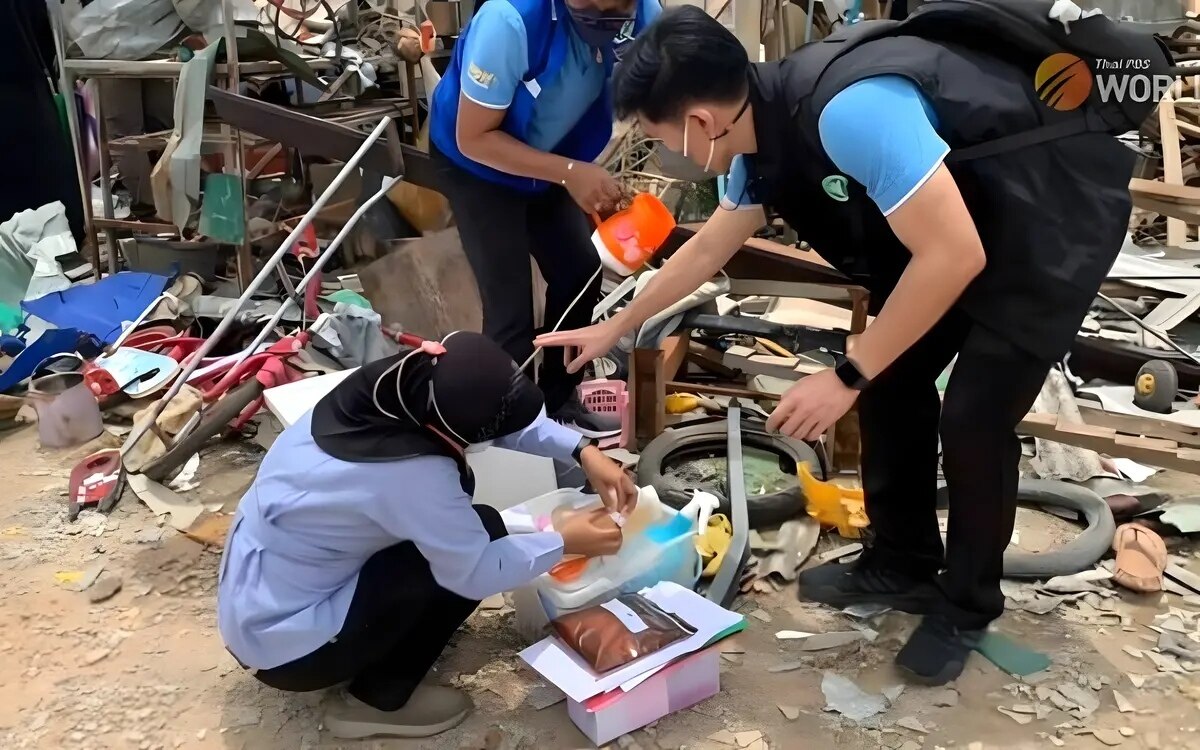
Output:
x=145 y=669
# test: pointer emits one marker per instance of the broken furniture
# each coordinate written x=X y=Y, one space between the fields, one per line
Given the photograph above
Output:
x=243 y=159
x=761 y=267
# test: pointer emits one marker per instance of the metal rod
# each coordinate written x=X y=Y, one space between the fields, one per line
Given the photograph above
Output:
x=106 y=187
x=724 y=586
x=236 y=155
x=290 y=301
x=1148 y=329
x=267 y=269
x=66 y=85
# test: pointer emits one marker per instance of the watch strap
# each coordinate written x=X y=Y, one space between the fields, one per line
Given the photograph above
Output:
x=849 y=374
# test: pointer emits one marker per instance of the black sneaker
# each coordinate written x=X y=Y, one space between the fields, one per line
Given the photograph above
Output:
x=937 y=651
x=586 y=422
x=840 y=585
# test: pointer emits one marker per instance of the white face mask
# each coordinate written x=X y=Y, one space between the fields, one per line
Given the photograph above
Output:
x=712 y=145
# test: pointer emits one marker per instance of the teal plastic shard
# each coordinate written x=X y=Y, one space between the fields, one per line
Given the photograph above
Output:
x=222 y=213
x=1010 y=656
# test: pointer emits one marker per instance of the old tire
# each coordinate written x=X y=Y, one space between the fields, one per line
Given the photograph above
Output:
x=764 y=510
x=1081 y=553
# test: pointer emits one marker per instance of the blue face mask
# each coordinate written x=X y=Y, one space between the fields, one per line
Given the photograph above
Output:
x=596 y=27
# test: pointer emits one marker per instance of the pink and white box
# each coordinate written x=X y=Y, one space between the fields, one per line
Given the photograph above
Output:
x=673 y=688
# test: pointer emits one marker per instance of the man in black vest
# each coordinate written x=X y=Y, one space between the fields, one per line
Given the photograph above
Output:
x=993 y=261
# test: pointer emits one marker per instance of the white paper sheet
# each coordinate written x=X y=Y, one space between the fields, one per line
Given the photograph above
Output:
x=570 y=674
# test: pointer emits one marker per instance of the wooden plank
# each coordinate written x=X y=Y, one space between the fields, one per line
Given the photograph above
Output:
x=1150 y=444
x=1084 y=430
x=1046 y=426
x=675 y=386
x=1177 y=232
x=137 y=227
x=675 y=349
x=648 y=395
x=838 y=294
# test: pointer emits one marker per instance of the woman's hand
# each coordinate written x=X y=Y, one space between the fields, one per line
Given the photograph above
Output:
x=589 y=343
x=590 y=533
x=592 y=187
x=616 y=489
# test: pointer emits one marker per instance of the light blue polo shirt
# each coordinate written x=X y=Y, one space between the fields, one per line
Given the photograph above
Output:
x=496 y=58
x=892 y=161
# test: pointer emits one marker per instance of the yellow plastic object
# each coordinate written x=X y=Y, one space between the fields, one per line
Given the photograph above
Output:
x=681 y=403
x=832 y=505
x=713 y=542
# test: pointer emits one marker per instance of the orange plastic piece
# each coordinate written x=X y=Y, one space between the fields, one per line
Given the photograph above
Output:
x=834 y=506
x=629 y=238
x=427 y=36
x=569 y=570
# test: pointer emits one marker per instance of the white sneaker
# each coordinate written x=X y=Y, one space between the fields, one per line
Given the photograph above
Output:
x=431 y=710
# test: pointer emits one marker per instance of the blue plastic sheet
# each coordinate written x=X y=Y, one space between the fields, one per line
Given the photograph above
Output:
x=51 y=342
x=100 y=308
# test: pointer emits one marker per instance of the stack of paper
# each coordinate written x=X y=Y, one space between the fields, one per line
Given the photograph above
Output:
x=570 y=673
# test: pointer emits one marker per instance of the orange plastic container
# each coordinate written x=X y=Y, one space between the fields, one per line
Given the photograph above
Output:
x=629 y=238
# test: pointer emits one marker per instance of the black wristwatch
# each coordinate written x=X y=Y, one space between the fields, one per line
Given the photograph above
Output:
x=849 y=374
x=577 y=454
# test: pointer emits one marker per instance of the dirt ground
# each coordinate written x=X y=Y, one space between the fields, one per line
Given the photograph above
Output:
x=145 y=669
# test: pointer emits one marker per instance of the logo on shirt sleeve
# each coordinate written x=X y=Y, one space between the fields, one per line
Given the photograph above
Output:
x=480 y=76
x=837 y=187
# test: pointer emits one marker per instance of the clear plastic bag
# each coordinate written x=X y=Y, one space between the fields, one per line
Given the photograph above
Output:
x=620 y=631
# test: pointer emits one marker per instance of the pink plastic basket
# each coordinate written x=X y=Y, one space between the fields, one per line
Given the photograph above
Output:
x=608 y=397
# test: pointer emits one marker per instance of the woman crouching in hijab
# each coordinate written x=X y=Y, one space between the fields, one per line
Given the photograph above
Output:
x=357 y=553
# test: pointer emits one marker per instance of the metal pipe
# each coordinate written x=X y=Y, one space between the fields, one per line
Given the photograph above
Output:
x=66 y=85
x=267 y=269
x=290 y=301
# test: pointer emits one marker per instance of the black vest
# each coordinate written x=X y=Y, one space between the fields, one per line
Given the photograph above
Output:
x=1052 y=216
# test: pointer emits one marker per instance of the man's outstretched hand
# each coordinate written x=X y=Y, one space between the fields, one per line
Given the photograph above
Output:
x=811 y=406
x=583 y=344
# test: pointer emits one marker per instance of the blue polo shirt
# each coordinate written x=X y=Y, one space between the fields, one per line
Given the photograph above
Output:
x=496 y=59
x=892 y=162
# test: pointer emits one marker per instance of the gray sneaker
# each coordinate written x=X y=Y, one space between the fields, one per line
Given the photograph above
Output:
x=431 y=710
x=586 y=422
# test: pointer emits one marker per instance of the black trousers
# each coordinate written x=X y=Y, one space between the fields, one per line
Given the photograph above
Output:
x=399 y=622
x=501 y=229
x=991 y=389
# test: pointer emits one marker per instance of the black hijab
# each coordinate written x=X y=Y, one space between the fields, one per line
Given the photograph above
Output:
x=436 y=399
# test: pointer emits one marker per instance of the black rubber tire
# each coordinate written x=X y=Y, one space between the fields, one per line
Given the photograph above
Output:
x=215 y=420
x=764 y=510
x=1163 y=387
x=1080 y=554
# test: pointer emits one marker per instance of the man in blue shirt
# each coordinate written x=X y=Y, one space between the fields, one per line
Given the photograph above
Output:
x=891 y=154
x=517 y=121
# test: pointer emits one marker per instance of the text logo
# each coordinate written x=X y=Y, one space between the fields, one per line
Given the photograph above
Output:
x=1063 y=81
x=837 y=187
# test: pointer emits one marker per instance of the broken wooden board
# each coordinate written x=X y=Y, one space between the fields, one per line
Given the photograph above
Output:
x=210 y=529
x=426 y=286
x=1166 y=454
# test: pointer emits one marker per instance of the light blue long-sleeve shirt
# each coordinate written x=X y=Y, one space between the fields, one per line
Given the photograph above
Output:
x=309 y=522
